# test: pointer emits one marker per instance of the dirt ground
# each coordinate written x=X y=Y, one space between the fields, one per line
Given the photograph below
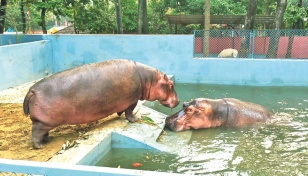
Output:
x=15 y=135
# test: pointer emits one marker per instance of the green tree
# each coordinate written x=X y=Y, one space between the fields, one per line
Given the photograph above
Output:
x=156 y=16
x=13 y=17
x=295 y=13
x=275 y=35
x=249 y=25
x=21 y=15
x=92 y=16
x=42 y=6
x=3 y=5
x=129 y=15
x=229 y=7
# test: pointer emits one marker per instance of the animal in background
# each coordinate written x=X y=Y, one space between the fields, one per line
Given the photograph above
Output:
x=228 y=52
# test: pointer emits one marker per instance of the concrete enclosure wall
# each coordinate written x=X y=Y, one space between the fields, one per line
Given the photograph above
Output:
x=160 y=51
x=8 y=39
x=172 y=54
x=24 y=62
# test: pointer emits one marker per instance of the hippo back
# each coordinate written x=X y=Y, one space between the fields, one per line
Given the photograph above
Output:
x=241 y=113
x=87 y=93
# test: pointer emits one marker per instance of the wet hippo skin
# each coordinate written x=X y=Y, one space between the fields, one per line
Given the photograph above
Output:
x=209 y=113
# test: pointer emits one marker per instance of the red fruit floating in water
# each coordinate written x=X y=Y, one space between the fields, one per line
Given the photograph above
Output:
x=136 y=164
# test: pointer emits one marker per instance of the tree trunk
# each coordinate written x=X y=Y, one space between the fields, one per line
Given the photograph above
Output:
x=268 y=12
x=119 y=16
x=251 y=13
x=142 y=17
x=249 y=24
x=207 y=23
x=74 y=17
x=299 y=24
x=281 y=7
x=43 y=22
x=145 y=27
x=275 y=35
x=2 y=15
x=23 y=16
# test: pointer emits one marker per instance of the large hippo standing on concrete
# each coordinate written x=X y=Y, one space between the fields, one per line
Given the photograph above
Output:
x=208 y=113
x=93 y=91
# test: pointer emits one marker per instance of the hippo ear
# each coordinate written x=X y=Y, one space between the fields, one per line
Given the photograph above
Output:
x=162 y=77
x=170 y=84
x=165 y=77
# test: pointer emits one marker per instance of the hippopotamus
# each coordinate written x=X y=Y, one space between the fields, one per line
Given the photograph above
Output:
x=93 y=91
x=209 y=113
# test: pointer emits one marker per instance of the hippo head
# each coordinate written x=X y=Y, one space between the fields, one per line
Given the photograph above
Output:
x=164 y=92
x=194 y=115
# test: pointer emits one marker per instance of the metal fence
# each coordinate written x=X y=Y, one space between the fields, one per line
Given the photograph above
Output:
x=257 y=44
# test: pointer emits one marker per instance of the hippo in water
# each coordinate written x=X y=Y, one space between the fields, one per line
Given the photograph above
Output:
x=94 y=91
x=209 y=113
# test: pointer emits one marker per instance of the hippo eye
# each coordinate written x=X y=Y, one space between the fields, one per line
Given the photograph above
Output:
x=201 y=109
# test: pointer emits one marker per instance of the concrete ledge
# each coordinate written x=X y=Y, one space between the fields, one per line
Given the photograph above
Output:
x=51 y=169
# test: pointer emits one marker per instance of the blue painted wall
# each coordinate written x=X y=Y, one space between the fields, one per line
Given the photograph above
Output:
x=172 y=54
x=8 y=39
x=24 y=62
x=160 y=51
x=258 y=72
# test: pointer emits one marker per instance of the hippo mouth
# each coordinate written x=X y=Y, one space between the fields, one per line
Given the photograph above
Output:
x=169 y=105
x=172 y=125
x=177 y=122
x=170 y=102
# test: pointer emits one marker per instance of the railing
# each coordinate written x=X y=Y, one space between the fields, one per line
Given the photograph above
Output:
x=252 y=44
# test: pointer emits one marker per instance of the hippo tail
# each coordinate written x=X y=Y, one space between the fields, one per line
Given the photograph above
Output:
x=26 y=102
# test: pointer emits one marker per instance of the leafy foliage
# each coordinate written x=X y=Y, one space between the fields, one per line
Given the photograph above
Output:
x=228 y=7
x=156 y=17
x=129 y=15
x=294 y=13
x=92 y=16
x=13 y=18
x=98 y=16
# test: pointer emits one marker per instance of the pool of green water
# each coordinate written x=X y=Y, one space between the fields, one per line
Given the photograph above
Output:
x=275 y=149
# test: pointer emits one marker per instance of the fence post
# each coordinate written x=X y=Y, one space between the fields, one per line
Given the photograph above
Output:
x=206 y=43
x=232 y=35
x=252 y=44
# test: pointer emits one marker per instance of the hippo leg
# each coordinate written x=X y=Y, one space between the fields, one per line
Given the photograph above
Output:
x=129 y=113
x=46 y=137
x=120 y=113
x=39 y=134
